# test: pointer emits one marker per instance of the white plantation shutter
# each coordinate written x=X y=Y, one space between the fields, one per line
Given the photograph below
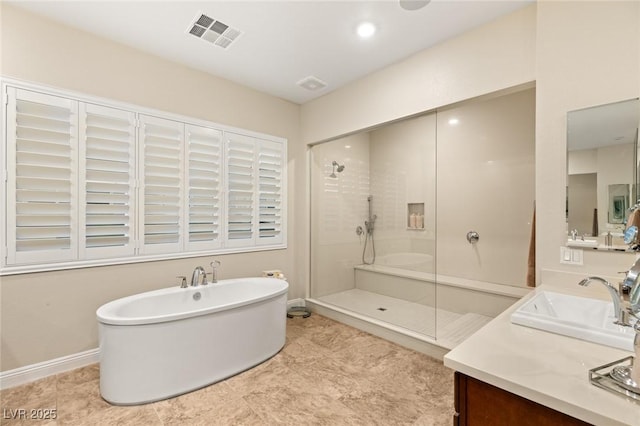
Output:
x=241 y=190
x=108 y=167
x=271 y=161
x=204 y=177
x=161 y=175
x=256 y=174
x=92 y=182
x=41 y=177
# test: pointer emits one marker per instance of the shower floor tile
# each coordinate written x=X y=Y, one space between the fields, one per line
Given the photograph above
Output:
x=449 y=328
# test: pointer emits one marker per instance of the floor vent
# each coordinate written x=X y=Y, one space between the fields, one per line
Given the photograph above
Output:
x=215 y=32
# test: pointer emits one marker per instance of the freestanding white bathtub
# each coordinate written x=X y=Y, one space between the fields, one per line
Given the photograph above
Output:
x=163 y=343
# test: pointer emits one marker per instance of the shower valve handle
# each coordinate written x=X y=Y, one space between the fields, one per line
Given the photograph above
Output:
x=473 y=237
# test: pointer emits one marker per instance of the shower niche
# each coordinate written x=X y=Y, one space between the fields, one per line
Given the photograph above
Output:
x=415 y=216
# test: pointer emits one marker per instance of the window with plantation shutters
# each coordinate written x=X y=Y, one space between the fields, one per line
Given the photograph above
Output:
x=107 y=153
x=241 y=190
x=41 y=189
x=204 y=147
x=96 y=182
x=161 y=206
x=271 y=161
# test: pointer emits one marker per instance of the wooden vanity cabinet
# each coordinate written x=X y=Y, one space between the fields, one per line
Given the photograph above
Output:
x=478 y=403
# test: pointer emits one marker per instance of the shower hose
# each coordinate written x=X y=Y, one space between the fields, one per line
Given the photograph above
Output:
x=369 y=235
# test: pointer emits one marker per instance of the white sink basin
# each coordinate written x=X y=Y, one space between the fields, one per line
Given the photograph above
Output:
x=582 y=243
x=580 y=317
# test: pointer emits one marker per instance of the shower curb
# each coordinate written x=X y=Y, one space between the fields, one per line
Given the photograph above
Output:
x=378 y=328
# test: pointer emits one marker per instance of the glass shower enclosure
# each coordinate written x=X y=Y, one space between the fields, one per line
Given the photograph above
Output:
x=375 y=210
x=423 y=225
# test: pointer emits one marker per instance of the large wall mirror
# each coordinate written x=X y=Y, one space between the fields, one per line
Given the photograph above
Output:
x=602 y=167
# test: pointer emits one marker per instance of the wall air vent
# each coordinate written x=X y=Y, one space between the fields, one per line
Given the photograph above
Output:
x=312 y=83
x=216 y=32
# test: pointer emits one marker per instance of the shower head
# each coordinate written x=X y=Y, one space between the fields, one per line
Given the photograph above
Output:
x=336 y=168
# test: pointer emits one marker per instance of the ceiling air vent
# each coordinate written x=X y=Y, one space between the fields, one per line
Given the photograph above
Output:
x=312 y=83
x=213 y=31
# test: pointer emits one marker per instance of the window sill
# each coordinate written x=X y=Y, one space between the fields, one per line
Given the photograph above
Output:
x=28 y=269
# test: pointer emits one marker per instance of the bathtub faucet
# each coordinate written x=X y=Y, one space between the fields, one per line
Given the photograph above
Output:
x=214 y=274
x=199 y=270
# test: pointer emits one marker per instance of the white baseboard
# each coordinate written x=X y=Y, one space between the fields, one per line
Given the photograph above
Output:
x=30 y=373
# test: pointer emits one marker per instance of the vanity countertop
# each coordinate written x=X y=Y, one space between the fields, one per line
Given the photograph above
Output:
x=547 y=368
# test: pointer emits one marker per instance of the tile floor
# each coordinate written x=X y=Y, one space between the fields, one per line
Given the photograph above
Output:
x=327 y=374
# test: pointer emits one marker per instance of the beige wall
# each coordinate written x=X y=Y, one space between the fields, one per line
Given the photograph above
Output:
x=486 y=184
x=48 y=315
x=587 y=54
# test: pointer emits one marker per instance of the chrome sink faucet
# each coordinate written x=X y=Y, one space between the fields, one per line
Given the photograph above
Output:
x=199 y=270
x=622 y=316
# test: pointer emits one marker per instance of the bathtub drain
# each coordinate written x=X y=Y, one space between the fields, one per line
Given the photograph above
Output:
x=197 y=296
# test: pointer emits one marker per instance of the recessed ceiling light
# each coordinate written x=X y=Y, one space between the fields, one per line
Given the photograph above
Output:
x=366 y=30
x=454 y=121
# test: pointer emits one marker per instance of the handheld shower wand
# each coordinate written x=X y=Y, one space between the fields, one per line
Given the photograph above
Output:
x=369 y=225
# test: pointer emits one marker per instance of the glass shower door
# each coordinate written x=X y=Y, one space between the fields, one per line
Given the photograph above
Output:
x=373 y=224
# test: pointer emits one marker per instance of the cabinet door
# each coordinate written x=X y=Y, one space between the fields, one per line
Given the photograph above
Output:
x=480 y=404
